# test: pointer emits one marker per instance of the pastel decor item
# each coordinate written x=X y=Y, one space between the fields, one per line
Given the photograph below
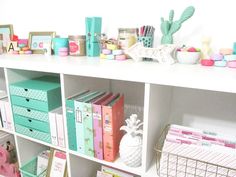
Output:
x=169 y=27
x=188 y=57
x=63 y=51
x=226 y=51
x=206 y=49
x=217 y=57
x=147 y=42
x=59 y=43
x=231 y=64
x=93 y=31
x=12 y=46
x=234 y=48
x=220 y=63
x=106 y=51
x=131 y=142
x=230 y=57
x=207 y=62
x=117 y=52
x=120 y=57
x=164 y=54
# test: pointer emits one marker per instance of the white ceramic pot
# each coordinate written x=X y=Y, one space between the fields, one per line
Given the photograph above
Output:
x=188 y=57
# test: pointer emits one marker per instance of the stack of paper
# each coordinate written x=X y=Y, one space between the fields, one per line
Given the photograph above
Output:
x=197 y=153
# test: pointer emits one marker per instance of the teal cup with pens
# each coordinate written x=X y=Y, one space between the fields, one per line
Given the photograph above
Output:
x=147 y=42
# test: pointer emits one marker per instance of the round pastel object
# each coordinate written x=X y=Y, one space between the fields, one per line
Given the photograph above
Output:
x=217 y=57
x=28 y=52
x=112 y=46
x=21 y=52
x=120 y=57
x=15 y=52
x=21 y=45
x=106 y=51
x=110 y=57
x=230 y=57
x=25 y=48
x=117 y=52
x=221 y=63
x=63 y=51
x=231 y=64
x=207 y=62
x=226 y=51
x=102 y=56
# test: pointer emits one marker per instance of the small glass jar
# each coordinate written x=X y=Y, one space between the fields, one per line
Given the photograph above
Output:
x=127 y=37
x=77 y=45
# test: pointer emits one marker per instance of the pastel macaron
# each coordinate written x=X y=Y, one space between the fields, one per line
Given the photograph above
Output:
x=117 y=52
x=220 y=63
x=226 y=51
x=217 y=57
x=106 y=51
x=231 y=64
x=207 y=62
x=120 y=57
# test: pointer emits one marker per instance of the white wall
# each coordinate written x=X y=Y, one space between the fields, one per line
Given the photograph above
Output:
x=211 y=18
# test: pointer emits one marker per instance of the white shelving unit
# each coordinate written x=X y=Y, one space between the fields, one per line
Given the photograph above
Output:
x=190 y=95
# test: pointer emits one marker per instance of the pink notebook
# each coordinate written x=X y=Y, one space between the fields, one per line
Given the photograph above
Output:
x=97 y=125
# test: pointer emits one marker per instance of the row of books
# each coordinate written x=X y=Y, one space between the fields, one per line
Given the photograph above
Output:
x=111 y=172
x=5 y=112
x=94 y=119
x=8 y=156
x=57 y=127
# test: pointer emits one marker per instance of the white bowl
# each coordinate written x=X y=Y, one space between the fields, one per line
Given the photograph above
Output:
x=188 y=57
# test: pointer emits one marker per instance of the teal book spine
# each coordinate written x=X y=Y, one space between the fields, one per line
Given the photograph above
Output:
x=70 y=115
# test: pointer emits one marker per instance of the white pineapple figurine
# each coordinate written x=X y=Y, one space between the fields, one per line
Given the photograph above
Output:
x=131 y=142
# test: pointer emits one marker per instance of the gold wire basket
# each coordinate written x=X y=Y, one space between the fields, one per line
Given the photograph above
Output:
x=186 y=167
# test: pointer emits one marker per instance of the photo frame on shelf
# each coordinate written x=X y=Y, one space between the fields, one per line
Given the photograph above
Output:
x=7 y=33
x=41 y=42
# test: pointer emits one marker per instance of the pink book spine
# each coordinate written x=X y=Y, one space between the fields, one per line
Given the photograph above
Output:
x=97 y=125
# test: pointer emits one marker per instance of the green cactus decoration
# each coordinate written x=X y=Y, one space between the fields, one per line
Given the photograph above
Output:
x=168 y=27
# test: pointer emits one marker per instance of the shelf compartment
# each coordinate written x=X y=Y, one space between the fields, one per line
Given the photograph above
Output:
x=116 y=164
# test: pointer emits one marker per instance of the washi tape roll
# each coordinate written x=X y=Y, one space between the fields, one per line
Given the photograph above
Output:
x=28 y=52
x=230 y=57
x=15 y=52
x=21 y=45
x=221 y=63
x=207 y=62
x=21 y=52
x=120 y=57
x=106 y=51
x=63 y=51
x=25 y=48
x=217 y=57
x=226 y=51
x=102 y=56
x=117 y=52
x=231 y=64
x=110 y=57
x=112 y=46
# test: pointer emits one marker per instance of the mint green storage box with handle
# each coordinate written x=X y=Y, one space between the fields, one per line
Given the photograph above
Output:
x=33 y=133
x=30 y=113
x=32 y=123
x=45 y=90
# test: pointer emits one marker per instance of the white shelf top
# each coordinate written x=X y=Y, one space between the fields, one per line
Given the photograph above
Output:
x=40 y=142
x=180 y=75
x=117 y=164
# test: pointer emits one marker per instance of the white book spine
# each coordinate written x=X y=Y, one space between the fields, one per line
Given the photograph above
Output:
x=60 y=130
x=3 y=113
x=53 y=128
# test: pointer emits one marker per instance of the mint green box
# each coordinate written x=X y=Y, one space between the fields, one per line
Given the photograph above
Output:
x=30 y=113
x=46 y=137
x=32 y=123
x=45 y=88
x=43 y=93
